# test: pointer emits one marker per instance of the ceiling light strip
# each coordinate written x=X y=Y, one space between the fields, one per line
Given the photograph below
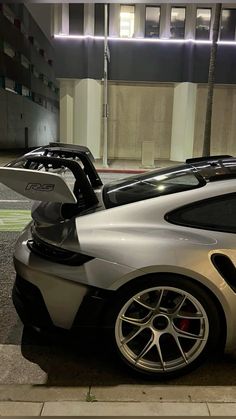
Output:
x=148 y=40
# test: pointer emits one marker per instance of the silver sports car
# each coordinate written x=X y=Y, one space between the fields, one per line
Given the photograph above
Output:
x=152 y=257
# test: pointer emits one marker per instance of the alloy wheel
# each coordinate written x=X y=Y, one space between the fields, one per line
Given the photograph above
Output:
x=161 y=329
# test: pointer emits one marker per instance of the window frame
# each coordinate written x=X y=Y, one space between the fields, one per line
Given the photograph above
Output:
x=145 y=29
x=196 y=204
x=210 y=23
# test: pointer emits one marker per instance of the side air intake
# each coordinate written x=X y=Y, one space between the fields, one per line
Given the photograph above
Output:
x=226 y=269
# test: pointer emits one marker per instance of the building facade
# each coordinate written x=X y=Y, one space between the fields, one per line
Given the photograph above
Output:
x=53 y=54
x=158 y=70
x=29 y=91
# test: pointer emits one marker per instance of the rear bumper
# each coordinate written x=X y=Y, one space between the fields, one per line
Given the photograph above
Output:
x=29 y=304
x=44 y=297
x=32 y=310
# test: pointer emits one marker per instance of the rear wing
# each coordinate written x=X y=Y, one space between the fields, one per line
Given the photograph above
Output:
x=41 y=186
x=71 y=151
x=25 y=175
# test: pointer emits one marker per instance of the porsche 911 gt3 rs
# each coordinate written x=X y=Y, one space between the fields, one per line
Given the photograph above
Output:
x=151 y=257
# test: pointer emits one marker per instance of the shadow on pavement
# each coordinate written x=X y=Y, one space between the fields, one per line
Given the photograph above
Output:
x=90 y=360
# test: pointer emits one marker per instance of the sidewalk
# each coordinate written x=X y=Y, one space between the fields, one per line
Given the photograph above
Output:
x=122 y=400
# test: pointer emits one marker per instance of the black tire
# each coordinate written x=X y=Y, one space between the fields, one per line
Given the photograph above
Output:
x=215 y=338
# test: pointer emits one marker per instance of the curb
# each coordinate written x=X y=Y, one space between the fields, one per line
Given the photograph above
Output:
x=118 y=394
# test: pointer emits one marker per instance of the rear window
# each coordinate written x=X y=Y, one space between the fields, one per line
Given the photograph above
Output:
x=150 y=185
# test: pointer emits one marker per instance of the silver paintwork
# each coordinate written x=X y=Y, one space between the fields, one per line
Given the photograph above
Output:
x=158 y=323
x=130 y=241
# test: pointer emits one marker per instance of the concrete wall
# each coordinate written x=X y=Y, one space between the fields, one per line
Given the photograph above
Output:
x=141 y=112
x=42 y=14
x=137 y=113
x=18 y=112
x=223 y=136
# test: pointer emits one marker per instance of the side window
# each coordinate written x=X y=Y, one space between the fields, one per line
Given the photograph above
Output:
x=212 y=214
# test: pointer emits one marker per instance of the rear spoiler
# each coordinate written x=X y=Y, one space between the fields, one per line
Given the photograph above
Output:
x=207 y=159
x=24 y=175
x=72 y=147
x=56 y=150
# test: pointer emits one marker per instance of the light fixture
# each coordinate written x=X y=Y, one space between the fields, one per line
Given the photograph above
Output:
x=147 y=40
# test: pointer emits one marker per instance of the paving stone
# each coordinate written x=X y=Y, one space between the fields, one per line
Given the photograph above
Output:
x=138 y=393
x=222 y=409
x=20 y=409
x=213 y=394
x=124 y=409
x=42 y=393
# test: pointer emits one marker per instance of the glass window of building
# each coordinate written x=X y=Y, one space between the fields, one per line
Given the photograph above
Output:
x=8 y=13
x=10 y=85
x=127 y=21
x=76 y=18
x=25 y=62
x=99 y=22
x=152 y=23
x=228 y=23
x=8 y=50
x=25 y=91
x=177 y=22
x=203 y=23
x=35 y=72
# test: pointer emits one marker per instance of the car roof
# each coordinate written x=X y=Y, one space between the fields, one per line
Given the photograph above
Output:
x=214 y=168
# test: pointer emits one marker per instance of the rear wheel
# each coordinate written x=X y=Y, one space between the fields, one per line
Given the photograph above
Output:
x=165 y=327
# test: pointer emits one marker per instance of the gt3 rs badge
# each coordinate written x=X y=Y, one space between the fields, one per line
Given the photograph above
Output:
x=39 y=187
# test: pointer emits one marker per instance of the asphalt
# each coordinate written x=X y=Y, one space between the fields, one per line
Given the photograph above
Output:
x=88 y=363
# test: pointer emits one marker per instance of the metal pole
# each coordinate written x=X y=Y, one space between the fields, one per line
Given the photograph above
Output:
x=105 y=96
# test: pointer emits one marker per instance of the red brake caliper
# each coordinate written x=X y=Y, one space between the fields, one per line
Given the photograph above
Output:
x=184 y=325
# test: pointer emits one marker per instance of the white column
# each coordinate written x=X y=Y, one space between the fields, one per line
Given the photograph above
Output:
x=190 y=23
x=57 y=18
x=61 y=18
x=165 y=21
x=183 y=121
x=89 y=18
x=66 y=111
x=88 y=114
x=139 y=21
x=65 y=18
